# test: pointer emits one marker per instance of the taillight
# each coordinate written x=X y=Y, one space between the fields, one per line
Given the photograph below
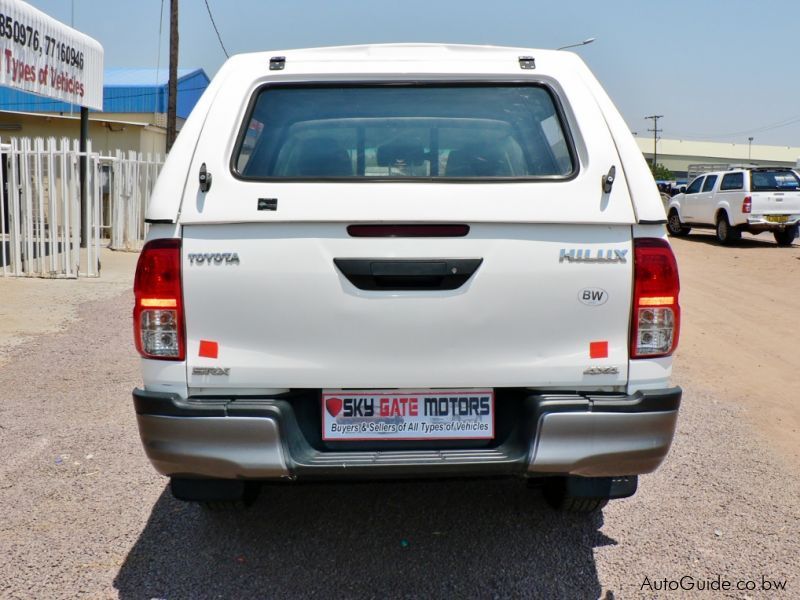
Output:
x=158 y=312
x=747 y=204
x=656 y=313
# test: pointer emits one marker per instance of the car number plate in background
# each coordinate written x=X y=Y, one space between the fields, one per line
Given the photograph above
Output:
x=778 y=218
x=461 y=414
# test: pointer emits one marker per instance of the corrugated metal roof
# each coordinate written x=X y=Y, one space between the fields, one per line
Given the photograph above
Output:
x=142 y=77
x=124 y=91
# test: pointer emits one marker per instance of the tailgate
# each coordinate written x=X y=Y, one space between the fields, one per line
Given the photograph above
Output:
x=284 y=315
x=775 y=203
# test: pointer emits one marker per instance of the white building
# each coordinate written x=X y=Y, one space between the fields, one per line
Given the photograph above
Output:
x=677 y=155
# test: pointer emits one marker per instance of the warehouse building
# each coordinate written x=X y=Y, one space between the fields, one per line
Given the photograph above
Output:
x=677 y=155
x=133 y=115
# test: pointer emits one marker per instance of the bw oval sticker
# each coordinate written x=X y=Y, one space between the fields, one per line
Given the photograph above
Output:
x=593 y=296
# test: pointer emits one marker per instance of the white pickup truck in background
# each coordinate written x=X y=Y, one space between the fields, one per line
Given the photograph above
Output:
x=411 y=260
x=753 y=200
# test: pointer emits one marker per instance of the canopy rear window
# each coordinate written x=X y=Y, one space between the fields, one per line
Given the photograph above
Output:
x=774 y=181
x=362 y=132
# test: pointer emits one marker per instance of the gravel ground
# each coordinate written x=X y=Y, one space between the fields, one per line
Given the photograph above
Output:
x=22 y=315
x=84 y=514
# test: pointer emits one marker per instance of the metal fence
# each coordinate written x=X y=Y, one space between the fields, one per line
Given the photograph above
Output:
x=132 y=178
x=40 y=206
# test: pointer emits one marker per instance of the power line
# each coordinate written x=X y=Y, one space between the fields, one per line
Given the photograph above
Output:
x=219 y=37
x=160 y=27
x=775 y=125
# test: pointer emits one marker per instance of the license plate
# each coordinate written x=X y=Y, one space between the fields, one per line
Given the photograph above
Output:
x=460 y=414
x=777 y=218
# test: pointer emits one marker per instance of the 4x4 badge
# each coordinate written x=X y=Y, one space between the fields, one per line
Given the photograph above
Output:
x=601 y=371
x=584 y=255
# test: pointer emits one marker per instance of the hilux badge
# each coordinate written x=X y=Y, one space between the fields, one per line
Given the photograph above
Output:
x=584 y=255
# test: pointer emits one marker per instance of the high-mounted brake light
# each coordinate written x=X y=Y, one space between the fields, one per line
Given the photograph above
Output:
x=656 y=319
x=423 y=230
x=158 y=312
x=747 y=204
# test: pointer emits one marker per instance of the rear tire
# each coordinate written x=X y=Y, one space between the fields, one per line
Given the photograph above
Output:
x=785 y=237
x=674 y=225
x=726 y=233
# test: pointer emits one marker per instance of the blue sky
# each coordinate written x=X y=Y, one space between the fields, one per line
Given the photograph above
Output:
x=720 y=71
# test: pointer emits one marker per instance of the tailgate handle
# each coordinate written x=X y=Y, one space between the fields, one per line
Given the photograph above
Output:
x=397 y=275
x=608 y=180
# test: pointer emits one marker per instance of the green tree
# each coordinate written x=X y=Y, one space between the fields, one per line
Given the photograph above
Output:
x=661 y=172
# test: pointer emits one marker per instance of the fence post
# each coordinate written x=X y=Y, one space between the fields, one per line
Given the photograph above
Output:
x=4 y=235
x=76 y=207
x=98 y=201
x=89 y=198
x=68 y=212
x=29 y=265
x=116 y=210
x=53 y=219
x=15 y=210
x=38 y=206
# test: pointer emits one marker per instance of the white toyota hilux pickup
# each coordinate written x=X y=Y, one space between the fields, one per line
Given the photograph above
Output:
x=747 y=199
x=406 y=261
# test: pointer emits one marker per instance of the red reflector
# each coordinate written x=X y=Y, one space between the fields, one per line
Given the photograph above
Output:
x=209 y=349
x=431 y=230
x=598 y=349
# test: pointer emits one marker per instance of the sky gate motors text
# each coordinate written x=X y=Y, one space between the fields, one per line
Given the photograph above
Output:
x=462 y=406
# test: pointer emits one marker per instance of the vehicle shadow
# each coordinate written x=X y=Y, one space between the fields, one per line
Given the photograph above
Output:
x=747 y=241
x=485 y=538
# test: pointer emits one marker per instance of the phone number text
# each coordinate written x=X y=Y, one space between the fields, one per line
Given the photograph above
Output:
x=25 y=35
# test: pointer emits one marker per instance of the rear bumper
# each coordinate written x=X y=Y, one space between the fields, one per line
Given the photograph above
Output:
x=260 y=438
x=758 y=224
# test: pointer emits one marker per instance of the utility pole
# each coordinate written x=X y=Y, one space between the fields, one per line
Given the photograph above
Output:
x=172 y=88
x=655 y=131
x=749 y=147
x=82 y=149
